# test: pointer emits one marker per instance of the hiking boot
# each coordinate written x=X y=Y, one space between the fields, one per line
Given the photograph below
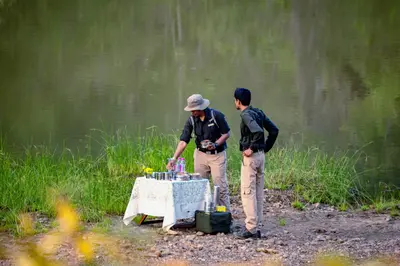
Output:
x=246 y=234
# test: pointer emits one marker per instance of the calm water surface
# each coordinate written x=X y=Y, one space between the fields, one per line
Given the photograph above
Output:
x=326 y=71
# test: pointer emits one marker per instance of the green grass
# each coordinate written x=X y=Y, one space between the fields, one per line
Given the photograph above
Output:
x=394 y=212
x=102 y=184
x=383 y=204
x=298 y=205
x=343 y=207
x=103 y=226
x=315 y=175
x=282 y=221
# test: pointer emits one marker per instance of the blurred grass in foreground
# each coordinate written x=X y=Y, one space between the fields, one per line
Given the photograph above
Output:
x=88 y=244
x=100 y=185
x=43 y=251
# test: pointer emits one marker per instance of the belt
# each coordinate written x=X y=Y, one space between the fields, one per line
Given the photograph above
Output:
x=210 y=152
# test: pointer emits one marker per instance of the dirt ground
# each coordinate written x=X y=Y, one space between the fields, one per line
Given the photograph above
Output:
x=289 y=237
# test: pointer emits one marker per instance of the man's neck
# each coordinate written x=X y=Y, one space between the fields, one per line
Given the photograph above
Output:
x=243 y=107
x=203 y=116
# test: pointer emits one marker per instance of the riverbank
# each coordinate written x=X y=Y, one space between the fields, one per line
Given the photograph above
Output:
x=318 y=235
x=100 y=185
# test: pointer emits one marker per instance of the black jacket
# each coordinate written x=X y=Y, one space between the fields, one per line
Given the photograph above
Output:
x=252 y=130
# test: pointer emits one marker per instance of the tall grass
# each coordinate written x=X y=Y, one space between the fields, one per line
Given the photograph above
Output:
x=315 y=175
x=102 y=184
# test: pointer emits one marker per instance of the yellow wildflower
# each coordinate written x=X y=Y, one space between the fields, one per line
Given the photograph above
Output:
x=148 y=170
x=85 y=248
x=67 y=217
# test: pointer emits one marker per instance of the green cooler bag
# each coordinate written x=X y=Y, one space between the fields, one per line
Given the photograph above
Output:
x=213 y=222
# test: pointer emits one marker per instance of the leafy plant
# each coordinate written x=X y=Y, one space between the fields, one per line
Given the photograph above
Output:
x=298 y=205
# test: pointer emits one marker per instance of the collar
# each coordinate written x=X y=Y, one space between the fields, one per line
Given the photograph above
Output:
x=207 y=113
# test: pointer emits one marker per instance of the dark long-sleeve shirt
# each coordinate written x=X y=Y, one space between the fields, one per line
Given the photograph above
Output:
x=207 y=129
x=252 y=130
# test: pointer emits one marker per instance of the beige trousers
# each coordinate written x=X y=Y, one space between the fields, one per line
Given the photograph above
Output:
x=214 y=165
x=252 y=189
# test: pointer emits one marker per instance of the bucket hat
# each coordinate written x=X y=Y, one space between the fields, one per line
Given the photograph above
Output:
x=196 y=102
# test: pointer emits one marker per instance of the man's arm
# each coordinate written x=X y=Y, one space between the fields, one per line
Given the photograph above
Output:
x=179 y=149
x=223 y=139
x=255 y=129
x=223 y=127
x=184 y=140
x=273 y=132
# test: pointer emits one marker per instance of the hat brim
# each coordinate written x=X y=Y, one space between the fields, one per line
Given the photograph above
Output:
x=200 y=107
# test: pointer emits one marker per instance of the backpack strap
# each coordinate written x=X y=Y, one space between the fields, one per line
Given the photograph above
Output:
x=213 y=117
x=192 y=122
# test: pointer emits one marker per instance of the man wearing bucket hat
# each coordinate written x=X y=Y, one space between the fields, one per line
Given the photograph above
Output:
x=209 y=126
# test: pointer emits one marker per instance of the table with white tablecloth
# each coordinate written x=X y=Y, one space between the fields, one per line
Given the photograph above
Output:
x=172 y=200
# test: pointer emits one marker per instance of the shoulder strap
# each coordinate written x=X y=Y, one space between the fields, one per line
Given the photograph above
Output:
x=193 y=124
x=213 y=117
x=194 y=130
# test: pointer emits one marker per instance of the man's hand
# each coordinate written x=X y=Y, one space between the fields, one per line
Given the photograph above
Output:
x=171 y=164
x=248 y=152
x=181 y=147
x=211 y=146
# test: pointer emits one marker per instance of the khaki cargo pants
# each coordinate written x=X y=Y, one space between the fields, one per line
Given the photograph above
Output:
x=214 y=164
x=252 y=189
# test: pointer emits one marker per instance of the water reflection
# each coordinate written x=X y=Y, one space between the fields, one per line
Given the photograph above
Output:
x=325 y=71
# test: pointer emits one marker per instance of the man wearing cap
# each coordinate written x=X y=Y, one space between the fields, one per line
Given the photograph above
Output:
x=253 y=147
x=207 y=125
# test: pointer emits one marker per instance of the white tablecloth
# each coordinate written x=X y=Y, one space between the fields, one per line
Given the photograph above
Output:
x=172 y=200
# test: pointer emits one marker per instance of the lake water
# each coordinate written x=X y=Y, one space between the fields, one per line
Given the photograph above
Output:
x=325 y=71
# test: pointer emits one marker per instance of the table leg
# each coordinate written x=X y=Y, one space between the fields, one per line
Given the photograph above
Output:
x=140 y=219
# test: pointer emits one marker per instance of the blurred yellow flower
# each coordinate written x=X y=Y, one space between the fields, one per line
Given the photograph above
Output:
x=25 y=260
x=67 y=217
x=332 y=260
x=41 y=252
x=85 y=248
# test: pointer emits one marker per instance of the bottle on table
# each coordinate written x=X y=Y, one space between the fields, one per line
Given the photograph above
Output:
x=178 y=165
x=183 y=165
